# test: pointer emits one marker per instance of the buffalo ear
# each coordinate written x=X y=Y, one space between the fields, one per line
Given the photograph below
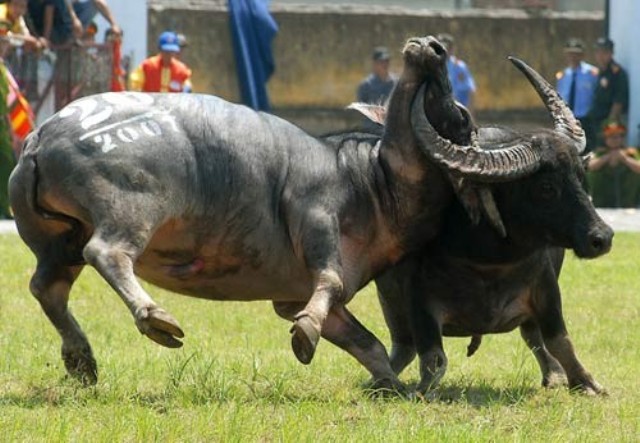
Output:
x=490 y=210
x=375 y=113
x=478 y=201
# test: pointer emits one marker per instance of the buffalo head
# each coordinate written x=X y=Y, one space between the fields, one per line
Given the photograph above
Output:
x=536 y=178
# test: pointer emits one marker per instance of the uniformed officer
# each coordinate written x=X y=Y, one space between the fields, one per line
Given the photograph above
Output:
x=577 y=82
x=464 y=87
x=611 y=97
x=377 y=86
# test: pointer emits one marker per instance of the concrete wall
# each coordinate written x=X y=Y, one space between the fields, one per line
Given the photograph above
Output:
x=323 y=52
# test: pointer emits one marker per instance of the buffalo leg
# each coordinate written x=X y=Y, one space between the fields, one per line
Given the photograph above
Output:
x=556 y=340
x=320 y=244
x=403 y=349
x=343 y=330
x=50 y=285
x=114 y=261
x=428 y=339
x=552 y=373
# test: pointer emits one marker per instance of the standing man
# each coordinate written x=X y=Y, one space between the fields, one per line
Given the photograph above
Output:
x=464 y=87
x=611 y=97
x=377 y=86
x=163 y=72
x=86 y=10
x=53 y=20
x=576 y=84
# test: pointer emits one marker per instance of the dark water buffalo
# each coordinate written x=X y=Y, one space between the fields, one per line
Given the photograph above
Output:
x=474 y=279
x=213 y=200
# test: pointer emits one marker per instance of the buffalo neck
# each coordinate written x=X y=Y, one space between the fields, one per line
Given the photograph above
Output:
x=399 y=149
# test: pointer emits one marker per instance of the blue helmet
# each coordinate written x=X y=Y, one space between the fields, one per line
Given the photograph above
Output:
x=168 y=42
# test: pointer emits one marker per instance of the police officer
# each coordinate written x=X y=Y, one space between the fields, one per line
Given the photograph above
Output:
x=377 y=86
x=577 y=83
x=611 y=97
x=462 y=82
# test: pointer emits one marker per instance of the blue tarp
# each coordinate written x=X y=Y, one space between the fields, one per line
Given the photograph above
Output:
x=253 y=29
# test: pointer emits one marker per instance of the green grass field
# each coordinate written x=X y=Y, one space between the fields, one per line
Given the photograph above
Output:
x=236 y=379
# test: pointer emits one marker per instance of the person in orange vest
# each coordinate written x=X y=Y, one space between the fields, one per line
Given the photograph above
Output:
x=163 y=72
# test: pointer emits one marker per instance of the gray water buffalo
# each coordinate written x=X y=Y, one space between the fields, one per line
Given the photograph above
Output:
x=213 y=200
x=475 y=279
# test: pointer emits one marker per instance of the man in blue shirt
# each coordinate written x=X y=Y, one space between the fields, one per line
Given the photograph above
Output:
x=376 y=88
x=464 y=87
x=576 y=85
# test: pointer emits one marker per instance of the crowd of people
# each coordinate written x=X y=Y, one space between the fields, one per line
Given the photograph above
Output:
x=598 y=95
x=60 y=35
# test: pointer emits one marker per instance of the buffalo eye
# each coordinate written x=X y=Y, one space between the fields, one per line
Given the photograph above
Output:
x=546 y=191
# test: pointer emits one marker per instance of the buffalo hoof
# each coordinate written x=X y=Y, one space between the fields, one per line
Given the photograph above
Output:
x=590 y=388
x=81 y=365
x=161 y=327
x=387 y=388
x=304 y=339
x=554 y=380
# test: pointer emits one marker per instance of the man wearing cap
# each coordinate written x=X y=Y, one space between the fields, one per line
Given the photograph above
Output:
x=614 y=170
x=577 y=83
x=611 y=96
x=163 y=72
x=462 y=82
x=375 y=89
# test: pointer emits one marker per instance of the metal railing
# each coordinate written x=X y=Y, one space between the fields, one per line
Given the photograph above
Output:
x=52 y=78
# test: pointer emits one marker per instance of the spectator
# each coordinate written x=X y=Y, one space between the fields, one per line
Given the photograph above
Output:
x=611 y=97
x=7 y=159
x=464 y=87
x=163 y=72
x=89 y=33
x=86 y=11
x=576 y=85
x=13 y=12
x=377 y=86
x=614 y=171
x=53 y=21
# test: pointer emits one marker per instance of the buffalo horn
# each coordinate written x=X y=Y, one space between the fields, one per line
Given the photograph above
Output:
x=471 y=161
x=564 y=121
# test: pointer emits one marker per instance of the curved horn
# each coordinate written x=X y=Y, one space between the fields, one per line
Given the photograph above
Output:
x=564 y=121
x=472 y=162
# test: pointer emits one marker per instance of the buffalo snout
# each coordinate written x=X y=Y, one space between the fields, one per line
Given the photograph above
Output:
x=598 y=241
x=425 y=50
